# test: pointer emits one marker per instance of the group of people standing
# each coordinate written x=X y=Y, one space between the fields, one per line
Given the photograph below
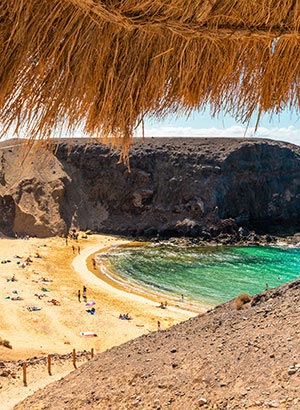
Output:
x=84 y=297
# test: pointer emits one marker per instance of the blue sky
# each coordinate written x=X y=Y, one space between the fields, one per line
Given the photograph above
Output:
x=283 y=127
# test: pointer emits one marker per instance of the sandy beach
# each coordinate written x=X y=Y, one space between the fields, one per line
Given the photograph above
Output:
x=57 y=274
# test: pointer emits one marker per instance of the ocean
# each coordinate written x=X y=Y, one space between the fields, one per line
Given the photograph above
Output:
x=206 y=275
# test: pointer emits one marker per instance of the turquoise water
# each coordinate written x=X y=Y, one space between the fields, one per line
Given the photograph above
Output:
x=210 y=275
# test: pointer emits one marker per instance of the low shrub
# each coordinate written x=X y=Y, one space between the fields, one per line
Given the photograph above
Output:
x=5 y=343
x=241 y=300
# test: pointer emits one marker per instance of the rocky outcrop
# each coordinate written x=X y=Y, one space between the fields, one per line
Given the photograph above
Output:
x=183 y=186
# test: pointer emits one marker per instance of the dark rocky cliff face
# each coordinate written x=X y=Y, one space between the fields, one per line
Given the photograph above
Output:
x=176 y=186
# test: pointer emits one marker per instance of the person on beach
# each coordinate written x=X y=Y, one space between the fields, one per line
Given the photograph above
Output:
x=78 y=295
x=84 y=294
x=73 y=248
x=94 y=263
x=78 y=249
x=267 y=286
x=182 y=298
x=91 y=311
x=125 y=316
x=158 y=325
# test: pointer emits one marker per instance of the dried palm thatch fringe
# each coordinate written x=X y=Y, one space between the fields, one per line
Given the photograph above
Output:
x=101 y=66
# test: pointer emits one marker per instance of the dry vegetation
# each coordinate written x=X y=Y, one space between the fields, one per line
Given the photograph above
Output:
x=5 y=343
x=104 y=65
x=241 y=300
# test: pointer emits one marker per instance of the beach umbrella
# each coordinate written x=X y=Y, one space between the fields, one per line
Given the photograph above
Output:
x=90 y=303
x=101 y=66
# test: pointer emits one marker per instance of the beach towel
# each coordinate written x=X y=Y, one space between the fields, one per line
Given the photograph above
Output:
x=90 y=303
x=88 y=334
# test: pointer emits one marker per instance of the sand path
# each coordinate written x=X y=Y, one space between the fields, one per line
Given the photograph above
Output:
x=56 y=329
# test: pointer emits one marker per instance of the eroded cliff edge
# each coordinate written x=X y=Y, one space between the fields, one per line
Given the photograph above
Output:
x=182 y=186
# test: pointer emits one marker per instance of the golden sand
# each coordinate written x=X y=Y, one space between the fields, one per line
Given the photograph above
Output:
x=56 y=329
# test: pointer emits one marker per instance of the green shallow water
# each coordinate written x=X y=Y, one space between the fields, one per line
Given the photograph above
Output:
x=209 y=275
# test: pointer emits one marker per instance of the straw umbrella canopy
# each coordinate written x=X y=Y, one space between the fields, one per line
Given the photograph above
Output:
x=102 y=66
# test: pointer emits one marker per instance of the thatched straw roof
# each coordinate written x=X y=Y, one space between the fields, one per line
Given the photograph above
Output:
x=104 y=65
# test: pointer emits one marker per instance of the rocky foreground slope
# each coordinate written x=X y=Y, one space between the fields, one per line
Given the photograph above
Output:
x=226 y=359
x=183 y=186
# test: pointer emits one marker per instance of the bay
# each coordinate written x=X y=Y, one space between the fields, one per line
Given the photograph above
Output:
x=210 y=275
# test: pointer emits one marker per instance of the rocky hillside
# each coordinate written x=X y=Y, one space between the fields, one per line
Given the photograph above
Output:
x=225 y=359
x=196 y=187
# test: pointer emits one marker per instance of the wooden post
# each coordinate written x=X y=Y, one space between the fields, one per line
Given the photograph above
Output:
x=74 y=358
x=92 y=352
x=24 y=374
x=49 y=364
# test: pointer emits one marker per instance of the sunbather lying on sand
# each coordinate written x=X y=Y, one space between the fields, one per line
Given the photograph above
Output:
x=12 y=279
x=16 y=298
x=45 y=290
x=33 y=308
x=54 y=302
x=42 y=295
x=163 y=305
x=46 y=280
x=125 y=316
x=88 y=334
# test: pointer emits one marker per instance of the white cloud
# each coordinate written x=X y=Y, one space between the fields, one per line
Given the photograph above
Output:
x=290 y=134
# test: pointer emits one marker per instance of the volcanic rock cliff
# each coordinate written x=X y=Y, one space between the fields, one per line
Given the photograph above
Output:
x=184 y=186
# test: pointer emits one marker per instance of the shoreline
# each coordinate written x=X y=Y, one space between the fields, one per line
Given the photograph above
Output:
x=105 y=273
x=100 y=279
x=67 y=272
x=109 y=275
x=56 y=329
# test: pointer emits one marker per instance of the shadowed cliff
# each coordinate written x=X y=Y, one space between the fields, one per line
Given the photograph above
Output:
x=182 y=186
